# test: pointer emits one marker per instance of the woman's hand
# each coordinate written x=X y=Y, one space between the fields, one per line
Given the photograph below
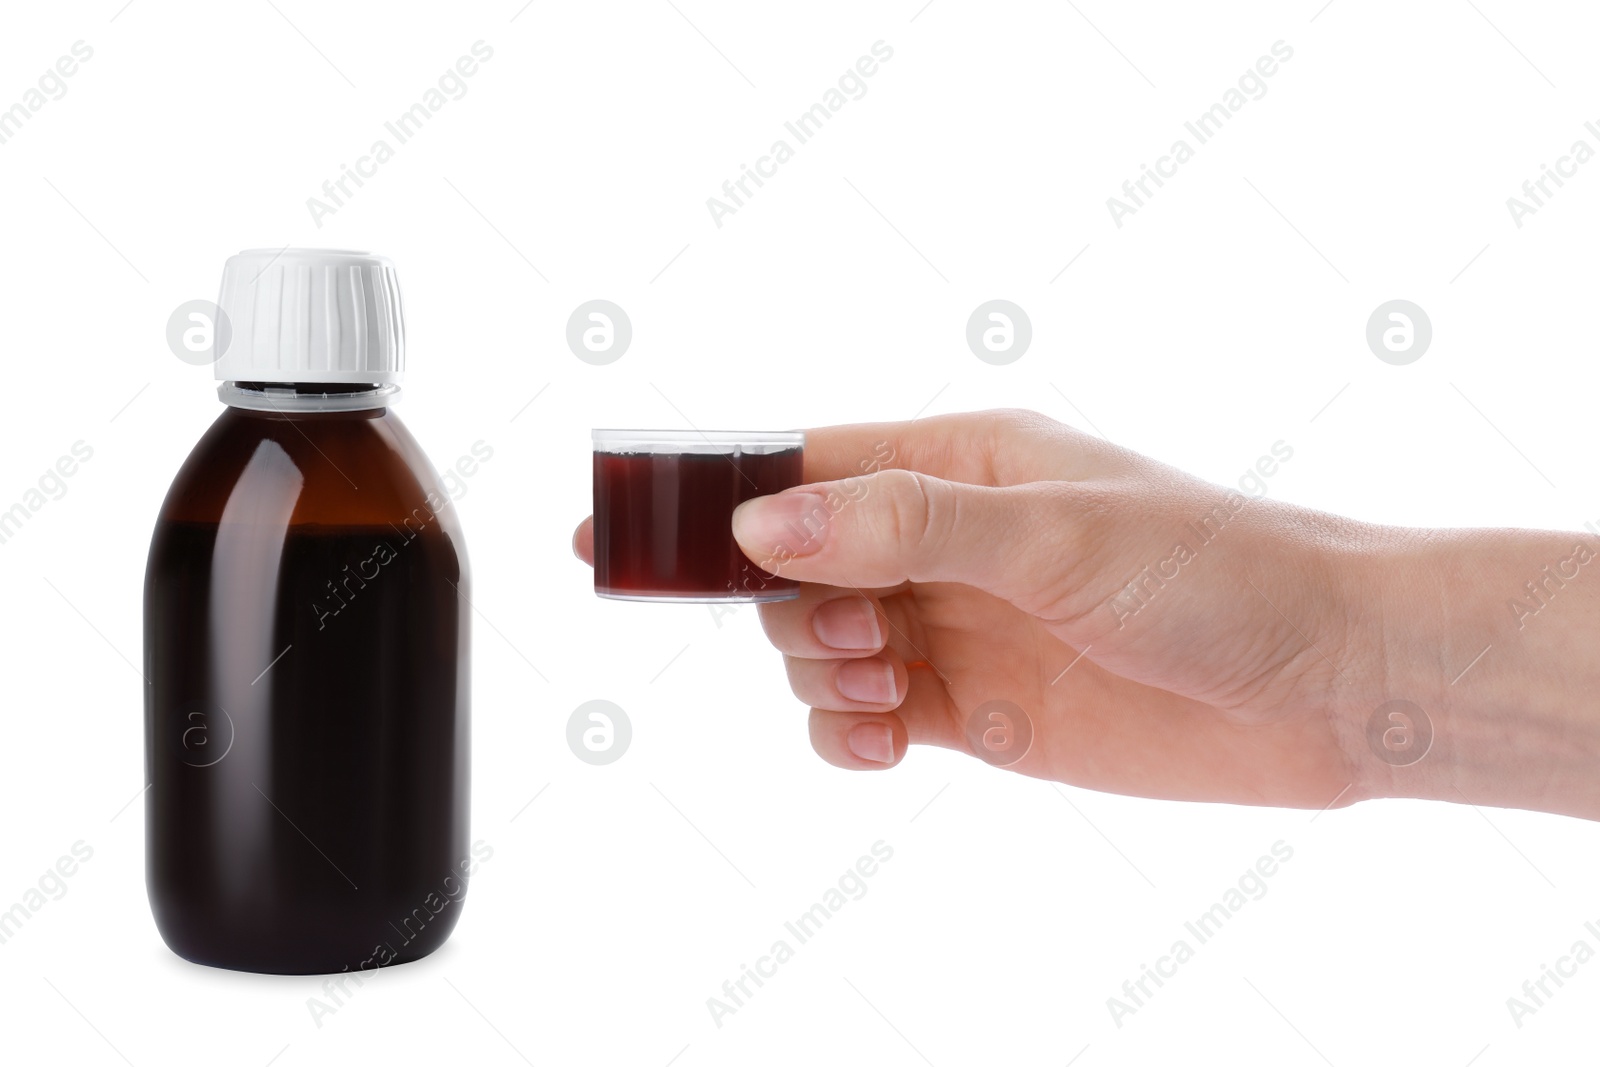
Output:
x=1001 y=584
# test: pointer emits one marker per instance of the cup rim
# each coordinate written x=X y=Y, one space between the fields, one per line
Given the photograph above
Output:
x=667 y=441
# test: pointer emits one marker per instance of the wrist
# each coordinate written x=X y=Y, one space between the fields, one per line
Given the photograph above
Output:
x=1481 y=649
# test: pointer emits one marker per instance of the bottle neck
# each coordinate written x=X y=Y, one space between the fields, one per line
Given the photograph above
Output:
x=286 y=397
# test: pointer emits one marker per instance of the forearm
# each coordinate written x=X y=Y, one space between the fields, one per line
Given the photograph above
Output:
x=1495 y=636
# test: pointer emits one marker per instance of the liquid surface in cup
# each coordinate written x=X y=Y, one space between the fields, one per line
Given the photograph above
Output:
x=663 y=523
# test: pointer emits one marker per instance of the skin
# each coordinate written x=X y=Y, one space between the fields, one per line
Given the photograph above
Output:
x=965 y=559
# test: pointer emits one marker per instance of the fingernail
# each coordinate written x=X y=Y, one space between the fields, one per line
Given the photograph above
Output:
x=785 y=525
x=871 y=741
x=850 y=624
x=871 y=681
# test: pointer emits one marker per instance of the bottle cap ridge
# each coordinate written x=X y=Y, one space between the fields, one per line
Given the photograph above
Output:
x=312 y=315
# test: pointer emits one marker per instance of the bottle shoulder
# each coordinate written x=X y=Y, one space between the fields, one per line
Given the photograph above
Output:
x=323 y=468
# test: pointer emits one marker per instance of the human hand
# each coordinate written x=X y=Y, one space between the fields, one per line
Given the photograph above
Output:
x=1155 y=634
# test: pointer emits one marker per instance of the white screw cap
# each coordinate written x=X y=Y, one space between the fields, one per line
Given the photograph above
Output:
x=312 y=315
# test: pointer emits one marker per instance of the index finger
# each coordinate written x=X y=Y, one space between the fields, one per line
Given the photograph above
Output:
x=994 y=448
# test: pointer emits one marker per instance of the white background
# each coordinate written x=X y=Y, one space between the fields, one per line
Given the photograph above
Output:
x=1227 y=314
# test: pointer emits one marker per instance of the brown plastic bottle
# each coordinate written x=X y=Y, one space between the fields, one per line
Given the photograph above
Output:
x=306 y=649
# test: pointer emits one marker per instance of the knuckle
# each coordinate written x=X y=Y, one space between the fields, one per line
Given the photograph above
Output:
x=917 y=510
x=1020 y=422
x=1011 y=432
x=795 y=668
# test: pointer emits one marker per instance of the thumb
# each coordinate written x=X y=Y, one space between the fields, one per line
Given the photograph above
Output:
x=893 y=526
